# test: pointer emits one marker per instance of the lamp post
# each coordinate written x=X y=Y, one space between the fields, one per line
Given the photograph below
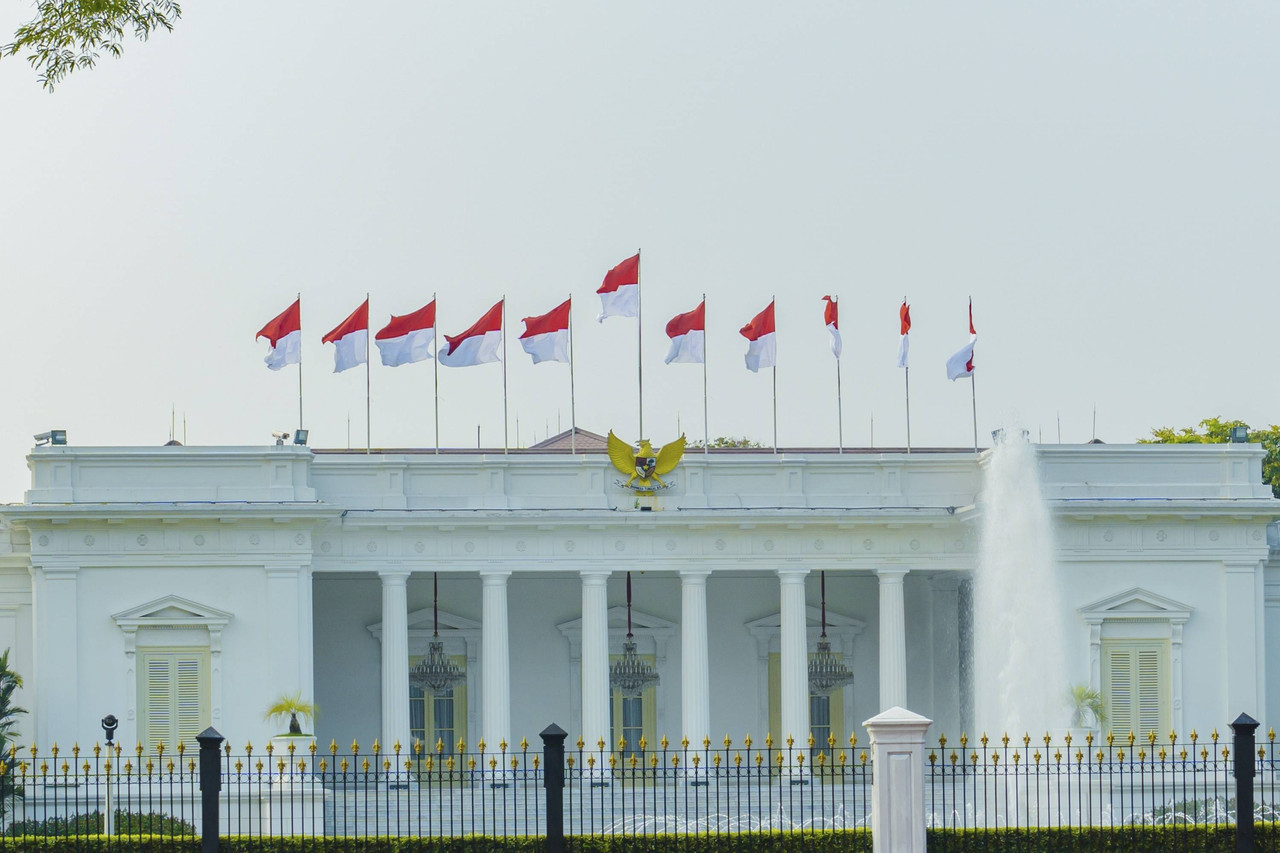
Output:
x=109 y=726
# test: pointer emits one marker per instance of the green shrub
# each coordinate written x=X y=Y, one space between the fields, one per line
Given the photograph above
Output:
x=1130 y=839
x=127 y=823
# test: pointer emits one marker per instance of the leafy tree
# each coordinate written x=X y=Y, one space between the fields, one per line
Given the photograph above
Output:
x=1218 y=431
x=70 y=34
x=728 y=441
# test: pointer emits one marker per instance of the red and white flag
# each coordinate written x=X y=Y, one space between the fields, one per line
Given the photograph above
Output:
x=480 y=344
x=620 y=292
x=285 y=335
x=762 y=348
x=350 y=340
x=960 y=365
x=546 y=338
x=408 y=338
x=688 y=333
x=904 y=345
x=831 y=316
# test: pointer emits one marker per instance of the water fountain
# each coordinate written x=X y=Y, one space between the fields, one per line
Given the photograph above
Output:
x=1020 y=674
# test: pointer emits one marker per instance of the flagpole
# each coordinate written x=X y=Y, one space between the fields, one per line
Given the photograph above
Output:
x=973 y=392
x=435 y=371
x=639 y=346
x=299 y=362
x=573 y=406
x=368 y=406
x=504 y=374
x=906 y=376
x=772 y=300
x=706 y=432
x=839 y=403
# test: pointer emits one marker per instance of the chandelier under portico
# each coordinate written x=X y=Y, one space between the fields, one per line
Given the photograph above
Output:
x=632 y=675
x=435 y=673
x=827 y=673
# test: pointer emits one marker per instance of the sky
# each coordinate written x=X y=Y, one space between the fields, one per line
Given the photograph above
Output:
x=1102 y=178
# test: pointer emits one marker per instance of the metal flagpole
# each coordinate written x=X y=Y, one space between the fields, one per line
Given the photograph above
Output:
x=504 y=373
x=639 y=345
x=368 y=406
x=706 y=432
x=906 y=375
x=772 y=300
x=973 y=391
x=435 y=370
x=573 y=406
x=839 y=401
x=299 y=362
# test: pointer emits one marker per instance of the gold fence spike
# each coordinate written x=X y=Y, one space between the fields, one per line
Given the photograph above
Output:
x=481 y=745
x=355 y=748
x=333 y=747
x=377 y=747
x=396 y=746
x=581 y=742
x=502 y=745
x=524 y=743
x=706 y=742
x=600 y=743
x=728 y=742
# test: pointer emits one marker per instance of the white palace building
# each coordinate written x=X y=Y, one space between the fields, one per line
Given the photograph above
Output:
x=179 y=587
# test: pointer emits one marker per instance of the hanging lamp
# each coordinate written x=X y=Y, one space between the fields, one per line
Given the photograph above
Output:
x=631 y=676
x=827 y=673
x=435 y=673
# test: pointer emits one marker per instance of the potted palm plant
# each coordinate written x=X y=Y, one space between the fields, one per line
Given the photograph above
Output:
x=294 y=745
x=1088 y=711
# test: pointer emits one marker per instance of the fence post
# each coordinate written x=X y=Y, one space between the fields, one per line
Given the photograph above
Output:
x=897 y=781
x=210 y=786
x=553 y=780
x=1243 y=768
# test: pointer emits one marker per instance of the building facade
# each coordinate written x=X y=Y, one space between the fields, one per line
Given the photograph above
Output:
x=180 y=587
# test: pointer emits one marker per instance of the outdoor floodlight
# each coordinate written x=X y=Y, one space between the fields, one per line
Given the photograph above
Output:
x=53 y=436
x=300 y=437
x=1239 y=435
x=109 y=726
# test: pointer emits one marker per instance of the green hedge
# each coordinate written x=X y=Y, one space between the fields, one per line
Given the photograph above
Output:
x=1121 y=839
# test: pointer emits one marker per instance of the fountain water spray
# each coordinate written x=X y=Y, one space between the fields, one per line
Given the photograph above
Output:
x=1019 y=655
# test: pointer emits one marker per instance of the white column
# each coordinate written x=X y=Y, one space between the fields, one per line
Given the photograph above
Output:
x=893 y=639
x=495 y=661
x=1239 y=616
x=56 y=674
x=695 y=674
x=395 y=660
x=795 y=660
x=897 y=794
x=595 y=656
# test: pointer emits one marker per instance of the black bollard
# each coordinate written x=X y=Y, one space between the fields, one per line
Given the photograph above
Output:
x=553 y=780
x=210 y=786
x=1244 y=770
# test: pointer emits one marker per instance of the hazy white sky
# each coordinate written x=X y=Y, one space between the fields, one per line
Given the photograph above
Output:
x=1102 y=177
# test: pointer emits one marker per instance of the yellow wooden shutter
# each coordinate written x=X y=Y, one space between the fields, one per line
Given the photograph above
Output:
x=1120 y=698
x=1150 y=689
x=1136 y=687
x=157 y=715
x=174 y=700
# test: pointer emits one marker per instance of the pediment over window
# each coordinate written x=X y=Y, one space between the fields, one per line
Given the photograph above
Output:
x=651 y=632
x=1136 y=604
x=837 y=623
x=172 y=611
x=423 y=621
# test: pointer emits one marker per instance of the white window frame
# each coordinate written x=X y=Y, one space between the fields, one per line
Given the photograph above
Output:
x=1138 y=614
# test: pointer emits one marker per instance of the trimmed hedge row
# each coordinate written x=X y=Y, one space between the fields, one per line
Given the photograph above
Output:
x=1213 y=839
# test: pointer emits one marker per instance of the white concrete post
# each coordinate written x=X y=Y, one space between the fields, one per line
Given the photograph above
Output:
x=893 y=639
x=395 y=659
x=595 y=657
x=794 y=640
x=695 y=674
x=897 y=791
x=495 y=661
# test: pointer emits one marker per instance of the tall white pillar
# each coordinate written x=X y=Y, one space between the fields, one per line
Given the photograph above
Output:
x=595 y=656
x=795 y=659
x=893 y=639
x=1244 y=676
x=695 y=673
x=395 y=660
x=495 y=661
x=56 y=674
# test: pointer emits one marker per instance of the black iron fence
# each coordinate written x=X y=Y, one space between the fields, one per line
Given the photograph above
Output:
x=556 y=789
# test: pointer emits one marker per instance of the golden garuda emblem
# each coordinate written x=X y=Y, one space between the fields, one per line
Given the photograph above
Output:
x=643 y=468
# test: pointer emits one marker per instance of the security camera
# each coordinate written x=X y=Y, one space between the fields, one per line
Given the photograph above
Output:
x=109 y=726
x=280 y=437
